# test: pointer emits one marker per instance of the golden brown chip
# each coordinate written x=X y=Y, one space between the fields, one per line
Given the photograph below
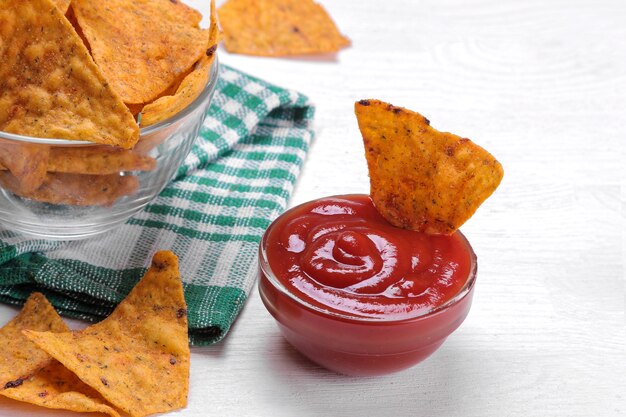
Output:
x=29 y=374
x=27 y=163
x=279 y=27
x=138 y=357
x=19 y=357
x=190 y=87
x=423 y=179
x=76 y=189
x=49 y=85
x=141 y=46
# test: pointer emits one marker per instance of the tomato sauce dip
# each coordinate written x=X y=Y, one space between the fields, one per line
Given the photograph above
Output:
x=358 y=295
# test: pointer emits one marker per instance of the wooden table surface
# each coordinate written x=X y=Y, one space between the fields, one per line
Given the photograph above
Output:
x=542 y=85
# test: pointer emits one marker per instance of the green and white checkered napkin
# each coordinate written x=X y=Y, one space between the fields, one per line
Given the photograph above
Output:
x=237 y=179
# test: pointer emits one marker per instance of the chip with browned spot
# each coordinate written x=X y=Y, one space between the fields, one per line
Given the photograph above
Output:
x=75 y=189
x=141 y=46
x=50 y=86
x=138 y=357
x=279 y=28
x=423 y=179
x=190 y=87
x=29 y=374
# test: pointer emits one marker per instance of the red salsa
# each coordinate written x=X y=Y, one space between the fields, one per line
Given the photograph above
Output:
x=340 y=255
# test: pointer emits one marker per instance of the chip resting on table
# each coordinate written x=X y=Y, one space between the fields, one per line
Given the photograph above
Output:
x=138 y=357
x=28 y=374
x=279 y=28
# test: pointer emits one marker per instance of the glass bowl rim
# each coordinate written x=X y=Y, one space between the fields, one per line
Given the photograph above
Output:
x=143 y=131
x=266 y=270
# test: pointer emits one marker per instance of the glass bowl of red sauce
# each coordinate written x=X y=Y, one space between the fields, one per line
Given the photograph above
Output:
x=357 y=295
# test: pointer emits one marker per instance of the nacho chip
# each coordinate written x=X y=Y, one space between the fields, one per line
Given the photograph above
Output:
x=27 y=163
x=278 y=28
x=75 y=189
x=20 y=357
x=49 y=85
x=155 y=46
x=29 y=374
x=423 y=179
x=138 y=357
x=191 y=86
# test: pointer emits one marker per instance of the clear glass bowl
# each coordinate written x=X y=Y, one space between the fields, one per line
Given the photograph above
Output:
x=70 y=205
x=361 y=346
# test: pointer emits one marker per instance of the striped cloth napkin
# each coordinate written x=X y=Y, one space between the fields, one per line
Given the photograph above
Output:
x=237 y=178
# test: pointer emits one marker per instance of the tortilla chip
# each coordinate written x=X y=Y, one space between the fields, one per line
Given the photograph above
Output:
x=423 y=179
x=155 y=46
x=29 y=374
x=50 y=86
x=278 y=28
x=190 y=88
x=20 y=357
x=76 y=189
x=138 y=357
x=27 y=163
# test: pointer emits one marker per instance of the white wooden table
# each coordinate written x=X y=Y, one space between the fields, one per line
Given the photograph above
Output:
x=542 y=85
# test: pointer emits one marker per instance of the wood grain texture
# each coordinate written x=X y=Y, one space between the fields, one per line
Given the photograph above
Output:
x=542 y=86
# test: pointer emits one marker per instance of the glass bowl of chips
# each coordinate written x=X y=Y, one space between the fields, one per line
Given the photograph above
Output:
x=68 y=189
x=91 y=132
